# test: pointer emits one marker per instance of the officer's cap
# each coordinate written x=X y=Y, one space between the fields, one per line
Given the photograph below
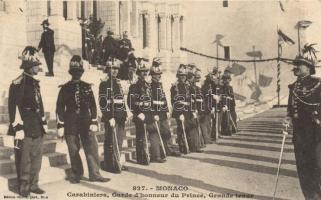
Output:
x=76 y=64
x=308 y=58
x=29 y=57
x=141 y=68
x=109 y=32
x=156 y=61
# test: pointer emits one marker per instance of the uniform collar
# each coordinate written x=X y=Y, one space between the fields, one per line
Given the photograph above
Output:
x=30 y=77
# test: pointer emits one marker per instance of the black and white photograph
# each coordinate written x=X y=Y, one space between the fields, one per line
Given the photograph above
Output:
x=160 y=99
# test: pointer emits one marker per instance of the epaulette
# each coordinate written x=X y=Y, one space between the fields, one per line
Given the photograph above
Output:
x=87 y=84
x=18 y=80
x=104 y=79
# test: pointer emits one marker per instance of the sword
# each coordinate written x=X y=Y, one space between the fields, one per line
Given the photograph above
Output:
x=161 y=140
x=146 y=144
x=117 y=149
x=285 y=133
x=184 y=135
x=233 y=123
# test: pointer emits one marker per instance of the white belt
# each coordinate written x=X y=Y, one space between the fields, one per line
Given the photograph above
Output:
x=199 y=100
x=158 y=102
x=184 y=103
x=116 y=101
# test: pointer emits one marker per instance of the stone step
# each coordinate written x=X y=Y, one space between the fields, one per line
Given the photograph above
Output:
x=3 y=109
x=46 y=176
x=55 y=159
x=128 y=141
x=49 y=146
x=7 y=166
x=276 y=131
x=6 y=152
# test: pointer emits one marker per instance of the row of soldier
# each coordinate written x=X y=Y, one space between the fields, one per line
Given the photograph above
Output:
x=200 y=113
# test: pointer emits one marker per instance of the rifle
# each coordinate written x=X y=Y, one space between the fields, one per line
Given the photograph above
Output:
x=160 y=138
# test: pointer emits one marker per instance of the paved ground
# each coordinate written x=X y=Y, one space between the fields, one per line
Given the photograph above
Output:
x=239 y=167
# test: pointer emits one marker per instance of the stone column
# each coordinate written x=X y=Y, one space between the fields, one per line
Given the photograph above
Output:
x=168 y=33
x=176 y=34
x=162 y=31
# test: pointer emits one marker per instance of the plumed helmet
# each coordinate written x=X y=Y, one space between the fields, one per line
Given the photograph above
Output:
x=308 y=58
x=76 y=64
x=29 y=57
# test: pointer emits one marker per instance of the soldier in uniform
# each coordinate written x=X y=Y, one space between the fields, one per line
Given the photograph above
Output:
x=112 y=106
x=139 y=101
x=124 y=47
x=180 y=99
x=204 y=110
x=109 y=46
x=27 y=123
x=210 y=90
x=47 y=44
x=305 y=114
x=194 y=131
x=76 y=119
x=226 y=104
x=160 y=106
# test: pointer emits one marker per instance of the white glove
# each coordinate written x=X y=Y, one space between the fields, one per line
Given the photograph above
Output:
x=45 y=127
x=181 y=117
x=20 y=135
x=287 y=121
x=93 y=128
x=156 y=118
x=141 y=116
x=194 y=115
x=112 y=122
x=224 y=108
x=61 y=132
x=216 y=97
x=213 y=111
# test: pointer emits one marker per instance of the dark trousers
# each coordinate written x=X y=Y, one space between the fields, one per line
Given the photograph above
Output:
x=28 y=162
x=152 y=135
x=90 y=146
x=307 y=149
x=205 y=124
x=192 y=135
x=166 y=136
x=49 y=57
x=111 y=159
x=226 y=124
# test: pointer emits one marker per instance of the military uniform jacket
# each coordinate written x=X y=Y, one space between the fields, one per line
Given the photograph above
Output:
x=180 y=99
x=111 y=100
x=139 y=100
x=26 y=107
x=304 y=100
x=159 y=102
x=76 y=105
x=209 y=88
x=47 y=42
x=227 y=97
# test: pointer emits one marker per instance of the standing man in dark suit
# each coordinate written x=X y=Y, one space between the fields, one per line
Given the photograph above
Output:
x=76 y=119
x=47 y=44
x=27 y=123
x=109 y=46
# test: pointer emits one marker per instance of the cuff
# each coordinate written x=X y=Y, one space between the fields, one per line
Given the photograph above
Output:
x=59 y=125
x=94 y=122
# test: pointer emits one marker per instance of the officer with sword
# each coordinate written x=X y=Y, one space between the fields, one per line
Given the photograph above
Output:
x=159 y=105
x=112 y=106
x=139 y=101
